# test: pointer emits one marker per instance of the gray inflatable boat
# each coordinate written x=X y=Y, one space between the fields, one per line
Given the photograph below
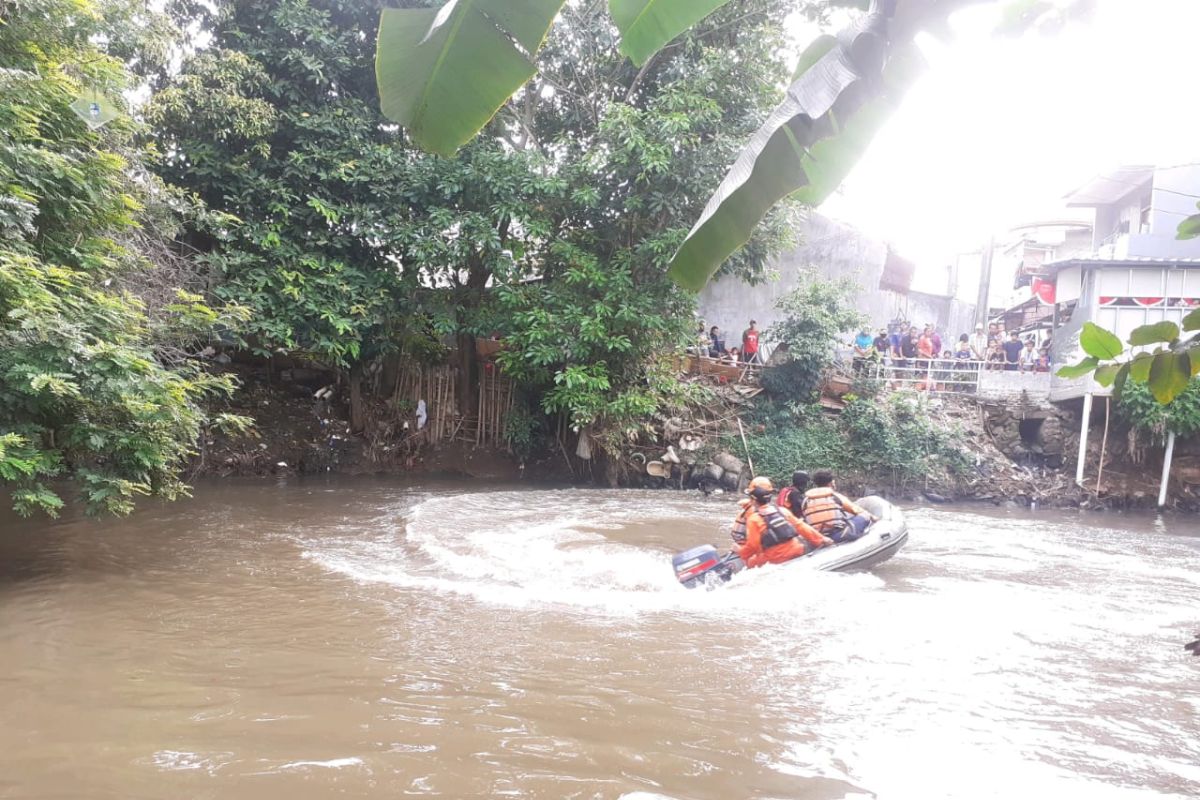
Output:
x=704 y=566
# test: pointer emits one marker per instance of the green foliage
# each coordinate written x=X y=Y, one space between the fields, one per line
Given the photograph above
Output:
x=1143 y=411
x=896 y=440
x=85 y=401
x=1190 y=227
x=819 y=313
x=1084 y=367
x=1099 y=343
x=427 y=57
x=275 y=127
x=809 y=144
x=596 y=333
x=524 y=430
x=1158 y=332
x=647 y=25
x=1167 y=371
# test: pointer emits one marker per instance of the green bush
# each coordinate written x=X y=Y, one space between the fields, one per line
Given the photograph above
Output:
x=1145 y=415
x=818 y=314
x=893 y=441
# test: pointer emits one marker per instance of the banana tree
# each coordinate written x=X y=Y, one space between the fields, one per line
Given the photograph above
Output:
x=443 y=73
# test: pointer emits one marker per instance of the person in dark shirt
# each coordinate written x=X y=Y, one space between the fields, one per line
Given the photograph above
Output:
x=716 y=347
x=1012 y=352
x=908 y=345
x=882 y=345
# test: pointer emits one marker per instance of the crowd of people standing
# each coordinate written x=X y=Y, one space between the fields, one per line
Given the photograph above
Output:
x=907 y=347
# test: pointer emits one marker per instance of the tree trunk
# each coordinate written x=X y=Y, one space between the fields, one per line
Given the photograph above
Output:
x=468 y=362
x=468 y=375
x=357 y=410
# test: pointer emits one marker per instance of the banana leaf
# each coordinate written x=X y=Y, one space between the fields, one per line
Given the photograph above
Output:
x=647 y=25
x=443 y=73
x=831 y=113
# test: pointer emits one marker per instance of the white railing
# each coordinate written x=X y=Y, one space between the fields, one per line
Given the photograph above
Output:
x=940 y=375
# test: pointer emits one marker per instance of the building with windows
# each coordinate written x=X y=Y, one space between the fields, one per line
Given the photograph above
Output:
x=1138 y=272
x=1137 y=210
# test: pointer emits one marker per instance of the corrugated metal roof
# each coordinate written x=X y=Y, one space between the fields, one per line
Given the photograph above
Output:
x=1110 y=187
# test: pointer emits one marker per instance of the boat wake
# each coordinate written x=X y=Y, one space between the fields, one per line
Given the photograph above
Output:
x=575 y=549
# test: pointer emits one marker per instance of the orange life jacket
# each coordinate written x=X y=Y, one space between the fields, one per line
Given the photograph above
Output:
x=738 y=530
x=823 y=509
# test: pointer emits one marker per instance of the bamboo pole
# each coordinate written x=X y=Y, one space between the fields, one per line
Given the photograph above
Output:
x=1103 y=443
x=746 y=445
x=479 y=425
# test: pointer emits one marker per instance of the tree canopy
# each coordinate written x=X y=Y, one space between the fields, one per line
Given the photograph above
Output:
x=553 y=229
x=88 y=396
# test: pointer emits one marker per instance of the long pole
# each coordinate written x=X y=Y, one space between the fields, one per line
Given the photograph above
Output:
x=985 y=283
x=1083 y=434
x=1162 y=489
x=746 y=445
x=1103 y=444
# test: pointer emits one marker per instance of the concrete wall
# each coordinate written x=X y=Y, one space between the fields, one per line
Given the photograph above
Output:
x=1173 y=200
x=1009 y=386
x=834 y=250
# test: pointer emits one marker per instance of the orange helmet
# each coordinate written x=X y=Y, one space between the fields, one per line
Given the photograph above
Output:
x=760 y=488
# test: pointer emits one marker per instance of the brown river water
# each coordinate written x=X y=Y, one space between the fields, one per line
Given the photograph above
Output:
x=361 y=638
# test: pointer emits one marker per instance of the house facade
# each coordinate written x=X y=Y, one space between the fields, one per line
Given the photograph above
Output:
x=1138 y=272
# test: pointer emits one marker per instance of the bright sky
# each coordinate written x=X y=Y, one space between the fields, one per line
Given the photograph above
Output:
x=1000 y=129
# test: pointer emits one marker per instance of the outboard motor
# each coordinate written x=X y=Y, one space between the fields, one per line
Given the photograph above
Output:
x=704 y=566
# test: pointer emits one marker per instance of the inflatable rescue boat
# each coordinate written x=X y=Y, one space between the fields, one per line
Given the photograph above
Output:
x=704 y=566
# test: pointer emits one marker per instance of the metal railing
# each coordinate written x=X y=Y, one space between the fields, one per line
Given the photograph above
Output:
x=934 y=375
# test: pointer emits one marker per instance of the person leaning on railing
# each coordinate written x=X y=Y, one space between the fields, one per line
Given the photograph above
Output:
x=995 y=357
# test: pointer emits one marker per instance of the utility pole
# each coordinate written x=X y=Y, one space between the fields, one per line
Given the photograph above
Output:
x=985 y=283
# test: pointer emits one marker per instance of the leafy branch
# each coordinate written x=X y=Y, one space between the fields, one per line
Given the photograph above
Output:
x=1167 y=370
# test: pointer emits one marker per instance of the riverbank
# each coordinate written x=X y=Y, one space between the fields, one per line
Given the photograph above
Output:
x=1010 y=456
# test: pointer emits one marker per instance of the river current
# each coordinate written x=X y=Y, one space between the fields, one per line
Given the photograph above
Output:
x=360 y=638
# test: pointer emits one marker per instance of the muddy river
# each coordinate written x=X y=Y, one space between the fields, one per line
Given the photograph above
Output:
x=361 y=638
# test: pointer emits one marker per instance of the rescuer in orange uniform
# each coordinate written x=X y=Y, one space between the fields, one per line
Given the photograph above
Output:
x=774 y=535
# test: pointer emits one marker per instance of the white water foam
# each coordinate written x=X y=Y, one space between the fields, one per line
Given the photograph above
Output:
x=548 y=548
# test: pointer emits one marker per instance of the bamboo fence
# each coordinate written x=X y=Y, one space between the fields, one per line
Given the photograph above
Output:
x=438 y=387
x=495 y=401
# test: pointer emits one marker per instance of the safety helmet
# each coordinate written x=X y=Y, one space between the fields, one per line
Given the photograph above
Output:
x=761 y=487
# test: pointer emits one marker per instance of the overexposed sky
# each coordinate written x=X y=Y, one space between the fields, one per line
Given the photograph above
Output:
x=999 y=129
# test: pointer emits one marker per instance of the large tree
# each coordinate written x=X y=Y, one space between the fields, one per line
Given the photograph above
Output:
x=638 y=150
x=346 y=236
x=93 y=392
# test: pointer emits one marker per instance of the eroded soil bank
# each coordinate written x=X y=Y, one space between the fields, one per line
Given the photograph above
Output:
x=1023 y=456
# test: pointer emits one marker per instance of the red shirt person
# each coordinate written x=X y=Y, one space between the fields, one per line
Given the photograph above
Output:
x=750 y=343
